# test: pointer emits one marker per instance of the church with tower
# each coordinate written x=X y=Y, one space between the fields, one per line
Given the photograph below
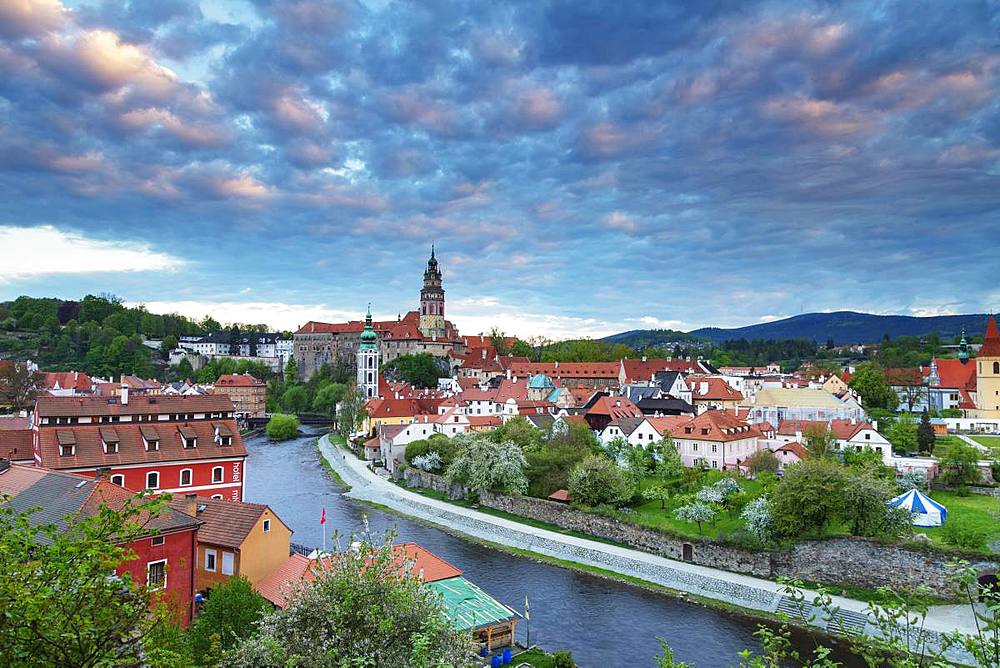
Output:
x=373 y=342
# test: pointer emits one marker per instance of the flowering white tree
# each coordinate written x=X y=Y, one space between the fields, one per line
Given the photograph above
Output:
x=485 y=465
x=913 y=480
x=758 y=520
x=727 y=487
x=695 y=513
x=710 y=494
x=430 y=461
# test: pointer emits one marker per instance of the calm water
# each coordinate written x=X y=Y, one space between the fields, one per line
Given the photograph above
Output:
x=603 y=622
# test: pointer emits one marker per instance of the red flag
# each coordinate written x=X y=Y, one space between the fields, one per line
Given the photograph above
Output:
x=322 y=518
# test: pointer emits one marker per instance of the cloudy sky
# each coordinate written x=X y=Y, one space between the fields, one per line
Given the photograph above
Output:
x=583 y=167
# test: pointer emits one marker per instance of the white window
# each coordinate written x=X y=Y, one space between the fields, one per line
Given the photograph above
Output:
x=156 y=574
x=227 y=563
x=152 y=480
x=118 y=479
x=218 y=497
x=217 y=474
x=156 y=540
x=186 y=477
x=267 y=526
x=210 y=556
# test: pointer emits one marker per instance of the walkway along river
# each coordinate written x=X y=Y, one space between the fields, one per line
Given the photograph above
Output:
x=603 y=622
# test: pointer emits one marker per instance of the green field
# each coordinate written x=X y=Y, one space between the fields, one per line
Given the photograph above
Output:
x=991 y=442
x=942 y=443
x=976 y=509
x=652 y=515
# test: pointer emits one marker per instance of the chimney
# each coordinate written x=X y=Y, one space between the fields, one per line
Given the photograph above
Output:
x=875 y=425
x=191 y=504
x=102 y=473
x=643 y=358
x=124 y=395
x=798 y=436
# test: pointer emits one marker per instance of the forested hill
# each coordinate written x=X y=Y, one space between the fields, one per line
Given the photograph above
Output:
x=843 y=327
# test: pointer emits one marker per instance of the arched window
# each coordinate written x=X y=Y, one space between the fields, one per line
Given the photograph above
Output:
x=186 y=475
x=369 y=376
x=217 y=474
x=152 y=480
x=996 y=367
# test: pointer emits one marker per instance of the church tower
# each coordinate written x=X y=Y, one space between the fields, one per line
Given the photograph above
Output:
x=368 y=360
x=988 y=372
x=432 y=301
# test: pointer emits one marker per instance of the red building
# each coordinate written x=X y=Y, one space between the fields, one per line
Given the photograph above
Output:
x=165 y=553
x=176 y=444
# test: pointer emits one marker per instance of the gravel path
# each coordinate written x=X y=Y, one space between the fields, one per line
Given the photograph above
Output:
x=741 y=590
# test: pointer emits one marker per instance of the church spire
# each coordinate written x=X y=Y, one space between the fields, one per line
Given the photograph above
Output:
x=963 y=349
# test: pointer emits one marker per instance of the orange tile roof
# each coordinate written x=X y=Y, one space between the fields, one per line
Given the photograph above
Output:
x=668 y=423
x=561 y=495
x=239 y=380
x=76 y=380
x=615 y=407
x=280 y=583
x=226 y=523
x=17 y=478
x=642 y=370
x=716 y=389
x=843 y=430
x=795 y=448
x=716 y=425
x=954 y=374
x=608 y=370
x=92 y=406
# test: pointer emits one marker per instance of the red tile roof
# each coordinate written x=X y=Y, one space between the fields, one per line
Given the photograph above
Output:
x=716 y=426
x=389 y=408
x=991 y=340
x=94 y=406
x=561 y=495
x=606 y=370
x=13 y=423
x=423 y=563
x=954 y=374
x=131 y=448
x=795 y=448
x=668 y=423
x=637 y=370
x=67 y=380
x=239 y=380
x=843 y=430
x=17 y=478
x=280 y=583
x=226 y=523
x=615 y=407
x=715 y=389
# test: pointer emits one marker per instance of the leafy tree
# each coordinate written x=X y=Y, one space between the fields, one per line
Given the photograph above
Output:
x=291 y=372
x=419 y=370
x=903 y=434
x=486 y=465
x=657 y=492
x=960 y=465
x=668 y=460
x=350 y=412
x=666 y=657
x=762 y=461
x=295 y=399
x=19 y=385
x=925 y=434
x=520 y=349
x=60 y=608
x=808 y=498
x=597 y=480
x=758 y=519
x=231 y=612
x=520 y=431
x=282 y=427
x=549 y=465
x=169 y=343
x=870 y=384
x=912 y=480
x=962 y=533
x=183 y=370
x=696 y=512
x=326 y=399
x=820 y=442
x=360 y=611
x=866 y=507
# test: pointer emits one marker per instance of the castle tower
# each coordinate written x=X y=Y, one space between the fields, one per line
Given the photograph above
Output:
x=368 y=360
x=988 y=372
x=432 y=301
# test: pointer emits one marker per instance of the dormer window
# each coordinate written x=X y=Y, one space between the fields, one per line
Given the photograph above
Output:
x=150 y=438
x=223 y=435
x=67 y=443
x=109 y=439
x=189 y=437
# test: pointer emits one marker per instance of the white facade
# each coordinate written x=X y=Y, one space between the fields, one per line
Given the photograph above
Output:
x=643 y=434
x=713 y=453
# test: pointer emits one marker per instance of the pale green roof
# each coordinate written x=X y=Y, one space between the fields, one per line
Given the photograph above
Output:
x=468 y=606
x=794 y=397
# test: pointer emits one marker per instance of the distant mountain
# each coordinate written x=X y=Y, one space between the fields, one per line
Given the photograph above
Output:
x=842 y=326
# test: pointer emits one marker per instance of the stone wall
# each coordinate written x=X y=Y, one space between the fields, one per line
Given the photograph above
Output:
x=846 y=561
x=414 y=477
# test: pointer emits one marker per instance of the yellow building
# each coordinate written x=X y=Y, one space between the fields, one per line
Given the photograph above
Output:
x=246 y=539
x=988 y=373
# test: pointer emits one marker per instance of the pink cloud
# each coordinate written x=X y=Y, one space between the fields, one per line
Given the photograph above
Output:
x=539 y=108
x=30 y=18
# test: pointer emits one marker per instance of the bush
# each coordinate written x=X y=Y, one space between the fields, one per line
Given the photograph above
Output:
x=563 y=659
x=808 y=498
x=485 y=465
x=282 y=427
x=597 y=480
x=230 y=614
x=964 y=534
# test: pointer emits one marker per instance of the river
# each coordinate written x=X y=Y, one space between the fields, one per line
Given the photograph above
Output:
x=603 y=622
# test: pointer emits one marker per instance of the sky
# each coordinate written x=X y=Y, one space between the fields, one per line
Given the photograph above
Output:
x=582 y=167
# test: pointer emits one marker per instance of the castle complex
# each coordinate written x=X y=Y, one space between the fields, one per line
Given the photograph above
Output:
x=420 y=331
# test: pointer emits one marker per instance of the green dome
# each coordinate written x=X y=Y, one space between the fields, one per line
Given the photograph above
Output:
x=368 y=336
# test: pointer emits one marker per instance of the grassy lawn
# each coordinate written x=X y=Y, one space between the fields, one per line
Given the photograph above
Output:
x=991 y=442
x=651 y=514
x=942 y=443
x=536 y=658
x=977 y=509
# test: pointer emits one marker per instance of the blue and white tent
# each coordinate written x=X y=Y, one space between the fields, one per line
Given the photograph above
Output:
x=926 y=511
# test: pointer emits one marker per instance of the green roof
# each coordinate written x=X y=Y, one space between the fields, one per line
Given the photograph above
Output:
x=468 y=606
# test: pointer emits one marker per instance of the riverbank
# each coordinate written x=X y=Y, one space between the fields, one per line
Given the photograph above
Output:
x=748 y=594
